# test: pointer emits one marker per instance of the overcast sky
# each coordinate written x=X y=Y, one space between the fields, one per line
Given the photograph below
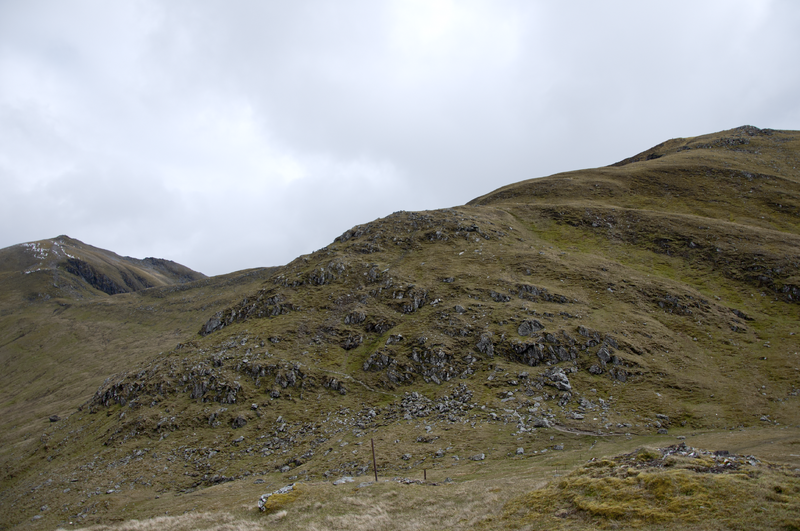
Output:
x=226 y=135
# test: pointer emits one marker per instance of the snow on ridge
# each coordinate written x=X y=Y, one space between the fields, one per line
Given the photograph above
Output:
x=41 y=253
x=38 y=251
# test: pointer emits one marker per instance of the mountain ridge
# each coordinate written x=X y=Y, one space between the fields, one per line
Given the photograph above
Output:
x=642 y=301
x=78 y=269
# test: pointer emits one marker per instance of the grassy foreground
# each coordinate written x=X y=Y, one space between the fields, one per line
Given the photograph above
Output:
x=679 y=486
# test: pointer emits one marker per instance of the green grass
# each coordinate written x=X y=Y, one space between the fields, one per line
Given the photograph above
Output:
x=667 y=306
x=676 y=492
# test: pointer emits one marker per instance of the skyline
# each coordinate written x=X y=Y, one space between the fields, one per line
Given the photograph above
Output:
x=226 y=136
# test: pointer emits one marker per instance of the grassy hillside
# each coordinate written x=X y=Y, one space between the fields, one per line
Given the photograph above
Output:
x=500 y=344
x=62 y=335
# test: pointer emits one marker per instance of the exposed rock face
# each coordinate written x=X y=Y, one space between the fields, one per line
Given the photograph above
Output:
x=261 y=306
x=95 y=279
x=355 y=318
x=485 y=344
x=558 y=378
x=352 y=342
x=528 y=328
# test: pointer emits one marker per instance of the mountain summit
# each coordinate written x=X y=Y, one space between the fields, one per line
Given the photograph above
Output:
x=64 y=266
x=546 y=324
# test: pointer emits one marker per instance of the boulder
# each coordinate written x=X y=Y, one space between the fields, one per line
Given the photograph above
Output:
x=559 y=379
x=485 y=344
x=528 y=328
x=262 y=500
x=541 y=423
x=604 y=354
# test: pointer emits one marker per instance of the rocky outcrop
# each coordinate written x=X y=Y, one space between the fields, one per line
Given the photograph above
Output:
x=528 y=328
x=95 y=278
x=264 y=304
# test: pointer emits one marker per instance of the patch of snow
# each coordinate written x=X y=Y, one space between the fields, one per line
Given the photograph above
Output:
x=37 y=250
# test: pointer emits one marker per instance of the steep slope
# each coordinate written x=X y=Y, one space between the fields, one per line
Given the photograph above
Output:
x=66 y=267
x=652 y=298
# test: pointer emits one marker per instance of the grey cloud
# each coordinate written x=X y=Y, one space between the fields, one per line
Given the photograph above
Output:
x=244 y=134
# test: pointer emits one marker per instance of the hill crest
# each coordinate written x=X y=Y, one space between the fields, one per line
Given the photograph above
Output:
x=66 y=267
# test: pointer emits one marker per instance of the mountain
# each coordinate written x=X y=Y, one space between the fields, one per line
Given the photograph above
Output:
x=72 y=314
x=544 y=324
x=64 y=266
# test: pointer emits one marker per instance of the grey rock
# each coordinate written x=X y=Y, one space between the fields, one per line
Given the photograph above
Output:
x=485 y=344
x=520 y=451
x=530 y=327
x=559 y=379
x=394 y=338
x=619 y=374
x=541 y=423
x=352 y=342
x=478 y=457
x=343 y=480
x=499 y=297
x=355 y=318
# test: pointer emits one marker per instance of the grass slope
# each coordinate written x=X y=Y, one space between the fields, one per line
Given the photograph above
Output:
x=499 y=343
